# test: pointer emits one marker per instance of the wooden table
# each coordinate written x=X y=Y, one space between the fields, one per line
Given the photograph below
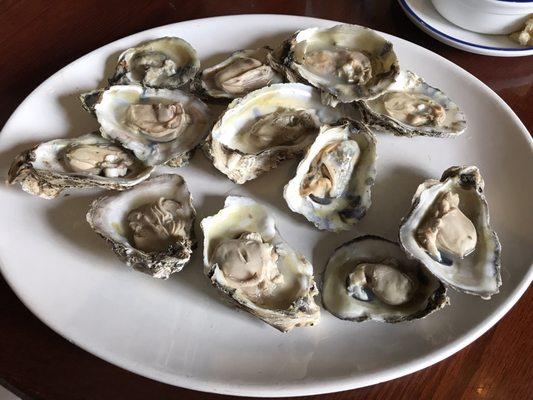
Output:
x=39 y=37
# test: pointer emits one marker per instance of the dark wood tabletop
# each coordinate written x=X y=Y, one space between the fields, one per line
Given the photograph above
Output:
x=39 y=37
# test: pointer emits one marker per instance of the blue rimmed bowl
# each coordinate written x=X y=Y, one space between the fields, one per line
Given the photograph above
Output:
x=496 y=17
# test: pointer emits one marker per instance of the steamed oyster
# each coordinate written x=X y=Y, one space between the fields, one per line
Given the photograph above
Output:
x=83 y=162
x=411 y=107
x=164 y=63
x=265 y=127
x=149 y=227
x=241 y=73
x=248 y=261
x=333 y=181
x=158 y=125
x=347 y=62
x=370 y=278
x=448 y=231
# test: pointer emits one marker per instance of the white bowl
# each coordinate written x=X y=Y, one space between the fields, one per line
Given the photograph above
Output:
x=496 y=17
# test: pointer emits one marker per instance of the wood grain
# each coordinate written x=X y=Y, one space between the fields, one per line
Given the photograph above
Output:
x=39 y=37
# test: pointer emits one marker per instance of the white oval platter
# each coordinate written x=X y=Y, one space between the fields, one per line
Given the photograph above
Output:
x=179 y=331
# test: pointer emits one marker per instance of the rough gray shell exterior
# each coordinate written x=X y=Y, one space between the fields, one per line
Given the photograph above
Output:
x=436 y=301
x=300 y=310
x=409 y=81
x=300 y=313
x=469 y=179
x=183 y=74
x=90 y=99
x=358 y=192
x=49 y=184
x=250 y=165
x=110 y=113
x=156 y=264
x=241 y=167
x=202 y=90
x=283 y=60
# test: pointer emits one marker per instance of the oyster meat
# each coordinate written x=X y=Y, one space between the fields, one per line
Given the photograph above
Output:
x=370 y=278
x=412 y=107
x=241 y=73
x=158 y=125
x=265 y=127
x=149 y=227
x=524 y=36
x=83 y=162
x=347 y=62
x=247 y=260
x=448 y=230
x=333 y=181
x=164 y=63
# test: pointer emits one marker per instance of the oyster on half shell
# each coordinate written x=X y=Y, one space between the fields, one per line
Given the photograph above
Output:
x=241 y=73
x=164 y=63
x=412 y=107
x=159 y=125
x=371 y=278
x=333 y=181
x=448 y=230
x=83 y=162
x=149 y=227
x=247 y=260
x=265 y=127
x=347 y=62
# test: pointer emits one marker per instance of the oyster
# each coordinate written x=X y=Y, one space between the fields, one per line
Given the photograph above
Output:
x=347 y=62
x=83 y=162
x=247 y=260
x=242 y=72
x=265 y=127
x=158 y=125
x=164 y=63
x=448 y=230
x=333 y=181
x=370 y=278
x=149 y=227
x=524 y=36
x=411 y=107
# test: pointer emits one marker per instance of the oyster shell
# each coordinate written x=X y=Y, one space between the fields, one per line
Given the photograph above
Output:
x=412 y=107
x=241 y=73
x=265 y=127
x=149 y=227
x=347 y=62
x=448 y=230
x=370 y=278
x=158 y=125
x=164 y=63
x=333 y=181
x=247 y=260
x=83 y=162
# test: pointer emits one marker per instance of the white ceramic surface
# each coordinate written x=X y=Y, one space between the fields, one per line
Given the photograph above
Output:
x=494 y=17
x=426 y=17
x=179 y=331
x=7 y=395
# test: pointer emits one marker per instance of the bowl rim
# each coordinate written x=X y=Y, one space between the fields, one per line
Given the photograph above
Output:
x=404 y=4
x=519 y=6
